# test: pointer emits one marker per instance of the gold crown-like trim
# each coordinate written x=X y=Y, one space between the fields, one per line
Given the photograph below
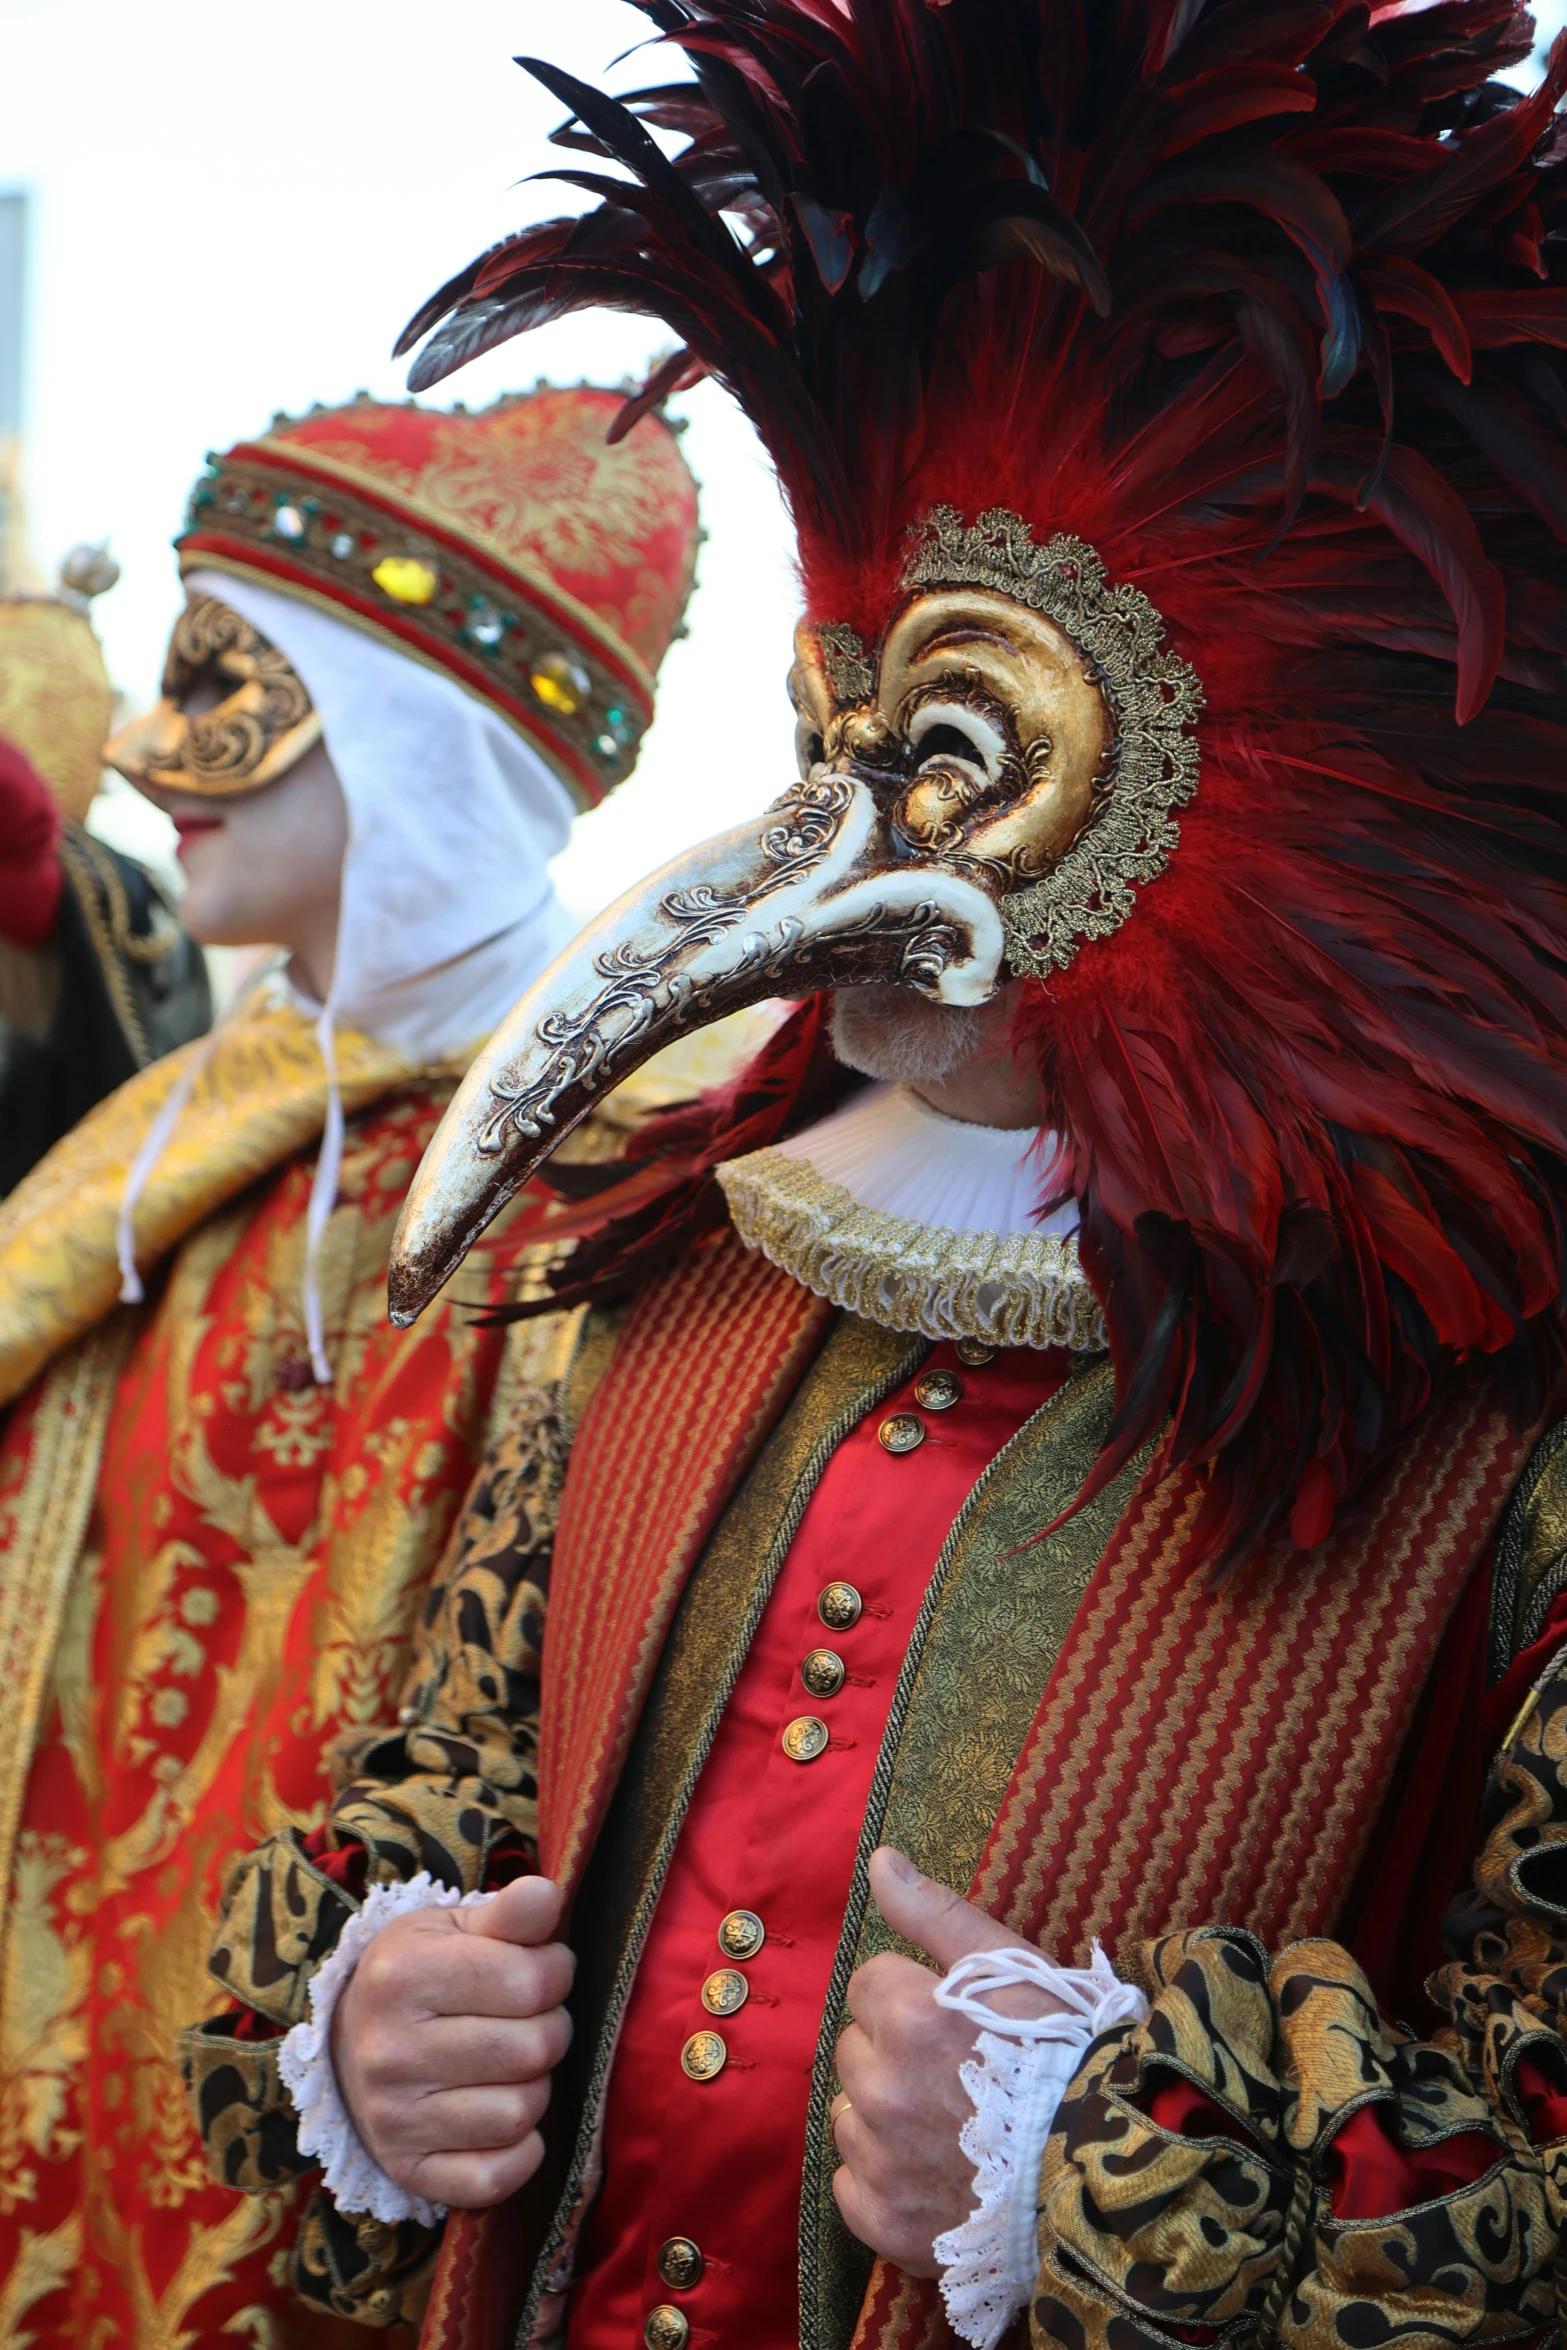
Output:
x=1009 y=1289
x=1155 y=698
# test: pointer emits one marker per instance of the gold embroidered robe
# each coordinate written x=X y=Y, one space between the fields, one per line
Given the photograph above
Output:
x=209 y=1568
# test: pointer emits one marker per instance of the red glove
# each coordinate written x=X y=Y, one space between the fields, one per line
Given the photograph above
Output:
x=31 y=874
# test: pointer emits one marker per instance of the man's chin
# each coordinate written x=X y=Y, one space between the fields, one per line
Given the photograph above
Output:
x=903 y=1038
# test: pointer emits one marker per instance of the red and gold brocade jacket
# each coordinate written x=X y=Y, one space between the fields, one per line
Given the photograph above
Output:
x=1260 y=1798
x=209 y=1568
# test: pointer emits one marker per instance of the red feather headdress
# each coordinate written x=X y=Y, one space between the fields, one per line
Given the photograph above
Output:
x=1261 y=298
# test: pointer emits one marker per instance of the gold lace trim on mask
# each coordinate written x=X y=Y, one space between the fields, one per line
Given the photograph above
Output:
x=1155 y=698
x=1008 y=1289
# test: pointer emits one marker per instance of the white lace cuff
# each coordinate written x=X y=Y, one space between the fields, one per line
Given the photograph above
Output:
x=353 y=2179
x=1015 y=2083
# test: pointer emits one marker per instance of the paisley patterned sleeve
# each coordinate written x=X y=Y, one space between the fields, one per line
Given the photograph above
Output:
x=451 y=1789
x=1268 y=2157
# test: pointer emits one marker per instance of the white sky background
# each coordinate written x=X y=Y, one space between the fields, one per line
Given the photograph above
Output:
x=234 y=209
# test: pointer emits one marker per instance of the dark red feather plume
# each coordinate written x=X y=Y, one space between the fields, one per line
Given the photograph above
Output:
x=1267 y=300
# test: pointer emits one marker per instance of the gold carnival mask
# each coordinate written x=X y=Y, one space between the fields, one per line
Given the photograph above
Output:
x=976 y=799
x=234 y=713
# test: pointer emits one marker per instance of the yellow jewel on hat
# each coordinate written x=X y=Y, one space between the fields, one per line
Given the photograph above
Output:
x=562 y=685
x=405 y=579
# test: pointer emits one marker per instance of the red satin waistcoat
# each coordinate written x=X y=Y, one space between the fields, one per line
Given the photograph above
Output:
x=715 y=2162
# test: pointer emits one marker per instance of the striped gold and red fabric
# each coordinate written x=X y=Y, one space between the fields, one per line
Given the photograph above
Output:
x=709 y=1357
x=1205 y=1756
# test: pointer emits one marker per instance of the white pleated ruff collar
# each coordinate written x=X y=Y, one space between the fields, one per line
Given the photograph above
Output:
x=920 y=1222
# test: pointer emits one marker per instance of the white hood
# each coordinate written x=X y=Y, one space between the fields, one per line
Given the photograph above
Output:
x=448 y=911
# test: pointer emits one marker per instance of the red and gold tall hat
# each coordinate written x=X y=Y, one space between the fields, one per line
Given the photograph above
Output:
x=514 y=548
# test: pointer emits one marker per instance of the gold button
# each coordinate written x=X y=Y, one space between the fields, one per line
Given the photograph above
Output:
x=724 y=1993
x=741 y=1934
x=806 y=1737
x=903 y=1432
x=938 y=1391
x=973 y=1353
x=680 y=2264
x=666 y=2328
x=839 y=1606
x=704 y=2056
x=822 y=1672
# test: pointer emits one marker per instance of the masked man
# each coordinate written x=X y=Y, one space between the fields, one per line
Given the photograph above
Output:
x=1077 y=1509
x=414 y=644
x=97 y=978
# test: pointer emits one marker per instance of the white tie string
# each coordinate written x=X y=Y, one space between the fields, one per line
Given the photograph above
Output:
x=152 y=1146
x=1093 y=1995
x=323 y=1198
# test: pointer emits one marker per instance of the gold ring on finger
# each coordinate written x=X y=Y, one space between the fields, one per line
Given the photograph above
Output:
x=840 y=2106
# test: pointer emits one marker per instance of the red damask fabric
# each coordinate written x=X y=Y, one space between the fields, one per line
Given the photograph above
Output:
x=256 y=1552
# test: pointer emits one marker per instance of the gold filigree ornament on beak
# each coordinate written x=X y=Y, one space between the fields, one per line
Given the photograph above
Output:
x=977 y=798
x=234 y=714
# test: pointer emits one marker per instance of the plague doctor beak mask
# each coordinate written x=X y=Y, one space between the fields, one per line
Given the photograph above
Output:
x=976 y=797
x=1084 y=338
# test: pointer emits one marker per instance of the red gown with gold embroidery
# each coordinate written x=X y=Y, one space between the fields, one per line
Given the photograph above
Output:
x=252 y=1552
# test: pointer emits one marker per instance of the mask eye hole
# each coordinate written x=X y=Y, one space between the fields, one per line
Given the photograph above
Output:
x=952 y=734
x=204 y=689
x=947 y=742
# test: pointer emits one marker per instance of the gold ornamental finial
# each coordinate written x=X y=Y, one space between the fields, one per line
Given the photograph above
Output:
x=89 y=571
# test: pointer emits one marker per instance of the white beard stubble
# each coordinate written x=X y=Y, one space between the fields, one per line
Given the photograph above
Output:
x=890 y=1033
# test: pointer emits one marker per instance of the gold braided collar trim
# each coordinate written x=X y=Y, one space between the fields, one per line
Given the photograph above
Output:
x=1009 y=1289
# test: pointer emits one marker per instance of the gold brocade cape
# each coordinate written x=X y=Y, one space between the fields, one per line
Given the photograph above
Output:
x=208 y=1568
x=260 y=1098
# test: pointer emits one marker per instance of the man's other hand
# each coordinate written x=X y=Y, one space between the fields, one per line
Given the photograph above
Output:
x=445 y=2039
x=904 y=2179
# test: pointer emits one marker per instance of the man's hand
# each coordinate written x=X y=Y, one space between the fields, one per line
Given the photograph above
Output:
x=904 y=2179
x=445 y=2039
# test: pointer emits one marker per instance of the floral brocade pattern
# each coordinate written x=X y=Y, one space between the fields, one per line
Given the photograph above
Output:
x=1150 y=2234
x=539 y=485
x=258 y=1098
x=248 y=1596
x=539 y=479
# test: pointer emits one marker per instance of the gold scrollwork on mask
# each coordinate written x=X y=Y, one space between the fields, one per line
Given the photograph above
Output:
x=257 y=720
x=1035 y=729
x=1155 y=698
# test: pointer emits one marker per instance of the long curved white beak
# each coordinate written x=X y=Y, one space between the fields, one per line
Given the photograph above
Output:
x=812 y=895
